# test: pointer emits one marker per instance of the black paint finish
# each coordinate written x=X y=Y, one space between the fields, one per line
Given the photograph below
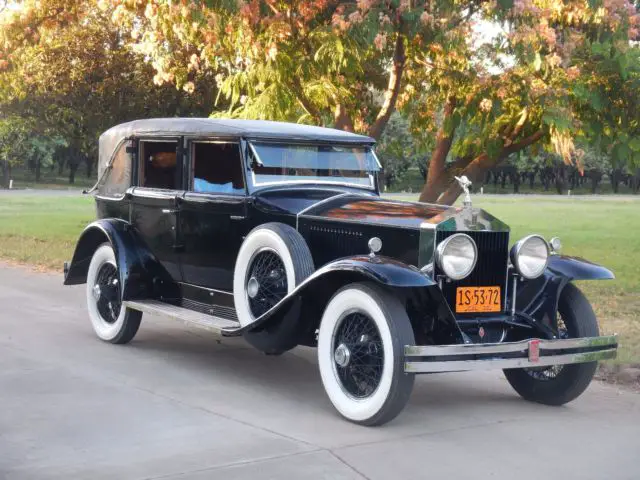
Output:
x=154 y=215
x=141 y=274
x=212 y=228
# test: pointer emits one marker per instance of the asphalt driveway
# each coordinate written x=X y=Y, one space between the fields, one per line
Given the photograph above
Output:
x=181 y=403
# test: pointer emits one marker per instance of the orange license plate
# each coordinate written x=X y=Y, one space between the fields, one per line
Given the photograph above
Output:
x=478 y=299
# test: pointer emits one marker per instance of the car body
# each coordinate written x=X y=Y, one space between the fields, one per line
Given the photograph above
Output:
x=277 y=232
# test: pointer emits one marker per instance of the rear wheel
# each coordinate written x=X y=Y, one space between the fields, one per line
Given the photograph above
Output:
x=110 y=320
x=560 y=384
x=361 y=342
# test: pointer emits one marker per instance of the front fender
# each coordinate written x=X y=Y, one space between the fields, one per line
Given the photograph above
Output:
x=324 y=282
x=575 y=268
x=539 y=297
x=141 y=275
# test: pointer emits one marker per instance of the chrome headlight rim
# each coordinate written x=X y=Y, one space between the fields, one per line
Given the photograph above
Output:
x=441 y=252
x=517 y=249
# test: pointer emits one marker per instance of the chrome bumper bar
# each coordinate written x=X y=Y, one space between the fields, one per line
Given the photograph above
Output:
x=524 y=354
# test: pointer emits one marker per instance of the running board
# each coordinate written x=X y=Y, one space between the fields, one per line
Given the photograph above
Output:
x=227 y=328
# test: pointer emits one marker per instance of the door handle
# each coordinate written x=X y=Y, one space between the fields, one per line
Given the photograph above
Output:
x=237 y=217
x=169 y=210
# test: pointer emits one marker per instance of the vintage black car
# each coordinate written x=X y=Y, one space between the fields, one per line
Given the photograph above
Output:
x=277 y=232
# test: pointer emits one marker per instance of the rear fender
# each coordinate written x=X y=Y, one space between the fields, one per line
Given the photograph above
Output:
x=539 y=297
x=141 y=274
x=312 y=295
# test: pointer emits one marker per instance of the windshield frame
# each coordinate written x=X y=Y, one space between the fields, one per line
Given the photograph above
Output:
x=255 y=185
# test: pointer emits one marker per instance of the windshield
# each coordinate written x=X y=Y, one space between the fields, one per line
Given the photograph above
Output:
x=276 y=163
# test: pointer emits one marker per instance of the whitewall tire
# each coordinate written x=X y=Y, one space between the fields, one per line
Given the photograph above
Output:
x=110 y=320
x=361 y=342
x=272 y=261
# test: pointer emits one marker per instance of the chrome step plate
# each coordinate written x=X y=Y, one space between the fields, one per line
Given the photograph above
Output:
x=191 y=317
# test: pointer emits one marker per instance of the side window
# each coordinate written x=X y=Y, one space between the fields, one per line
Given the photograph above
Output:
x=217 y=168
x=158 y=164
x=119 y=177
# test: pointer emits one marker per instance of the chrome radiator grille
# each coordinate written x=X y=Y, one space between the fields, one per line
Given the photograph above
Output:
x=491 y=268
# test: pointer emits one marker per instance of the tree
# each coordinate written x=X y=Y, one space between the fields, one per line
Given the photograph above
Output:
x=353 y=64
x=66 y=72
x=397 y=150
x=477 y=97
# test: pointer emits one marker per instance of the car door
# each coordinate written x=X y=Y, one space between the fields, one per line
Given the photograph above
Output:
x=213 y=213
x=154 y=200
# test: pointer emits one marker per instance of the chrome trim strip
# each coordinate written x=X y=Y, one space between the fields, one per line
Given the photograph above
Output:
x=314 y=182
x=509 y=347
x=321 y=202
x=501 y=363
x=354 y=221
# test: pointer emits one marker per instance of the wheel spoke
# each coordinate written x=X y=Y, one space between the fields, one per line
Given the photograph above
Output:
x=108 y=303
x=268 y=270
x=361 y=376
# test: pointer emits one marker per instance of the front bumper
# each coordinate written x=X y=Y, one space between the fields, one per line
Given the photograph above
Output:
x=530 y=353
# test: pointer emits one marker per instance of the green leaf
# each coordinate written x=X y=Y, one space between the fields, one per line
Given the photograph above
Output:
x=634 y=144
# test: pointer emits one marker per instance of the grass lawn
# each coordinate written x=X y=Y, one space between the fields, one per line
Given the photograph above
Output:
x=42 y=231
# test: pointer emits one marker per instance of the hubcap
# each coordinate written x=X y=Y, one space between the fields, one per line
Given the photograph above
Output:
x=342 y=355
x=358 y=355
x=266 y=281
x=252 y=287
x=106 y=293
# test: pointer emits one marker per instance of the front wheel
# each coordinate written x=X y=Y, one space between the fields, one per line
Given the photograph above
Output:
x=560 y=384
x=361 y=342
x=110 y=320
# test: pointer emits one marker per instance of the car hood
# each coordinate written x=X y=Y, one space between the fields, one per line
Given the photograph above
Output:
x=371 y=209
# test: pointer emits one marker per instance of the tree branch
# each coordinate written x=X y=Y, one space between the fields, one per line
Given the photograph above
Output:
x=308 y=107
x=524 y=143
x=342 y=119
x=479 y=165
x=393 y=88
x=444 y=139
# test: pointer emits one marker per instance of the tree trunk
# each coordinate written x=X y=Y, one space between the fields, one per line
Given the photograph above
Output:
x=5 y=174
x=479 y=165
x=515 y=179
x=342 y=119
x=72 y=172
x=615 y=180
x=393 y=89
x=436 y=180
x=38 y=165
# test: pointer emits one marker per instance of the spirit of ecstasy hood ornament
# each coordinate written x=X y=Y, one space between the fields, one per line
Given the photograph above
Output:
x=465 y=183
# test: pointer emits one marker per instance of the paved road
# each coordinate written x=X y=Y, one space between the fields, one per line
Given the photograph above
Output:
x=178 y=404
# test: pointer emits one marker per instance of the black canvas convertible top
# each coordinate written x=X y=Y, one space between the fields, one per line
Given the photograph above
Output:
x=233 y=128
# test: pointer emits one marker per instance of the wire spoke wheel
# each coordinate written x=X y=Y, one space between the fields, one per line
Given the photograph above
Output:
x=549 y=373
x=358 y=355
x=106 y=292
x=266 y=282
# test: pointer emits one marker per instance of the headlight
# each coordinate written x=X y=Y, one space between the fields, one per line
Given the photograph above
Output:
x=530 y=256
x=457 y=255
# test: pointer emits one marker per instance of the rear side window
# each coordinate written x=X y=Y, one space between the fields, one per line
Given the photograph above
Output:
x=159 y=167
x=217 y=168
x=118 y=179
